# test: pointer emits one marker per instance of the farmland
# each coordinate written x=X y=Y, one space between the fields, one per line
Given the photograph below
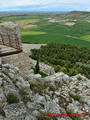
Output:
x=86 y=37
x=43 y=28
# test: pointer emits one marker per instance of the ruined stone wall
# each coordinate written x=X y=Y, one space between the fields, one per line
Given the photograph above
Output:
x=10 y=38
x=10 y=35
x=20 y=60
x=43 y=67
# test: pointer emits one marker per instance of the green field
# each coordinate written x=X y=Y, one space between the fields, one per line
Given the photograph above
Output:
x=27 y=21
x=57 y=33
x=25 y=33
x=86 y=37
x=35 y=28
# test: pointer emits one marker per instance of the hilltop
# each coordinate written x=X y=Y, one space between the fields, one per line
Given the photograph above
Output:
x=28 y=96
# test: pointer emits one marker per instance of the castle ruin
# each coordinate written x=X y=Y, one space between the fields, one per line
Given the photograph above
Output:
x=10 y=46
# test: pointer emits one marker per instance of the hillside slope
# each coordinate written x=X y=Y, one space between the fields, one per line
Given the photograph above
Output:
x=29 y=97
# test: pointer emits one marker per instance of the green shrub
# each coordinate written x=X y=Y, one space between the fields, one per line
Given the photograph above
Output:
x=37 y=86
x=57 y=68
x=37 y=69
x=41 y=116
x=32 y=83
x=12 y=98
x=64 y=58
x=79 y=78
x=75 y=97
x=43 y=74
x=60 y=101
x=86 y=86
x=26 y=99
x=51 y=87
x=23 y=92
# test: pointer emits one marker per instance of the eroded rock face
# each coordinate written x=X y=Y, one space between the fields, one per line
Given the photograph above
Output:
x=1 y=82
x=58 y=77
x=52 y=107
x=57 y=93
x=2 y=97
x=43 y=67
x=15 y=111
x=22 y=84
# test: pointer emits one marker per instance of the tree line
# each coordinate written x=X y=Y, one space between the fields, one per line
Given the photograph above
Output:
x=64 y=58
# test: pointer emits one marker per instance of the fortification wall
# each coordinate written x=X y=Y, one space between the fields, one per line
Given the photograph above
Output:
x=10 y=35
x=20 y=60
x=10 y=43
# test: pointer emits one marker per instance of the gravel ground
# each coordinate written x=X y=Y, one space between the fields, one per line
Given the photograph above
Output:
x=28 y=47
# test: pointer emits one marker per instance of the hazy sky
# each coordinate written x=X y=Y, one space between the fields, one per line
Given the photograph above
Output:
x=44 y=5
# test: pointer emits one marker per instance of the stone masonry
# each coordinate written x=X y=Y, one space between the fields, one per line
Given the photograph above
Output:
x=10 y=35
x=11 y=47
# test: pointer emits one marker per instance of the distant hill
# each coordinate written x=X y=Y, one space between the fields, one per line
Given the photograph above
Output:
x=78 y=13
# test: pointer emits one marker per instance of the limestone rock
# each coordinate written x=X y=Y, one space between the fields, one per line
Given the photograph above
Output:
x=52 y=107
x=2 y=97
x=15 y=111
x=22 y=84
x=1 y=81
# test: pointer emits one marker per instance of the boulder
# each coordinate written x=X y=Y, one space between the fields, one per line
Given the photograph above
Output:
x=66 y=78
x=72 y=108
x=11 y=75
x=10 y=89
x=52 y=107
x=2 y=97
x=38 y=77
x=15 y=111
x=1 y=81
x=30 y=117
x=87 y=108
x=22 y=84
x=1 y=117
x=35 y=77
x=39 y=99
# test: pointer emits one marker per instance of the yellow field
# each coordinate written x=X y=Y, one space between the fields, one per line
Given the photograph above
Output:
x=25 y=22
x=32 y=33
x=86 y=37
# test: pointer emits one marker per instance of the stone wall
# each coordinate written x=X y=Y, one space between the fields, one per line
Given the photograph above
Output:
x=10 y=38
x=10 y=35
x=43 y=67
x=20 y=60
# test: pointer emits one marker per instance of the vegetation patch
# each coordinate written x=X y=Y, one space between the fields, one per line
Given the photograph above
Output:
x=52 y=32
x=24 y=95
x=75 y=97
x=42 y=116
x=86 y=37
x=12 y=98
x=39 y=72
x=27 y=21
x=64 y=58
x=38 y=87
x=32 y=33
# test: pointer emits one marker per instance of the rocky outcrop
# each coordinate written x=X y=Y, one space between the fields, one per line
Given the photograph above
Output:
x=28 y=96
x=15 y=111
x=43 y=67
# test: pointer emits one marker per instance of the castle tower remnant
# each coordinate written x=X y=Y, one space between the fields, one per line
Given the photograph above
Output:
x=11 y=47
x=10 y=40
